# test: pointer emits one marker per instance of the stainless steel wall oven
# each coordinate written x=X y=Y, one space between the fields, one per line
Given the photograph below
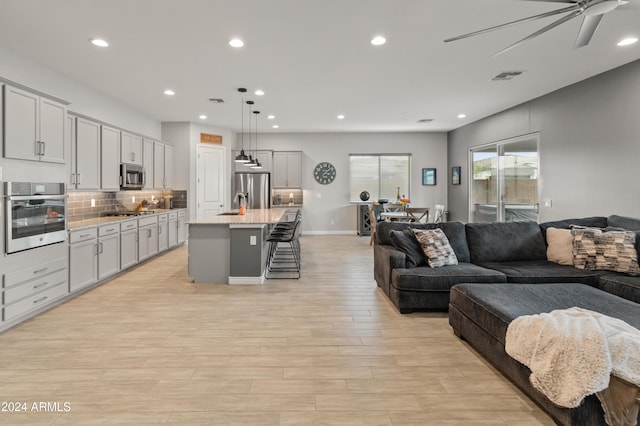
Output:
x=36 y=215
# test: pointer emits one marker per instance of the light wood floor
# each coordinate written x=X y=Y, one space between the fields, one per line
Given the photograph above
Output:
x=150 y=347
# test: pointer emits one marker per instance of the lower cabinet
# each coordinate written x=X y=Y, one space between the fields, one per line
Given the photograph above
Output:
x=163 y=232
x=173 y=229
x=128 y=244
x=31 y=288
x=182 y=226
x=108 y=251
x=147 y=237
x=83 y=258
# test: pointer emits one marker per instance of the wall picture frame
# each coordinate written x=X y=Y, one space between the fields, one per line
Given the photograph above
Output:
x=429 y=176
x=456 y=172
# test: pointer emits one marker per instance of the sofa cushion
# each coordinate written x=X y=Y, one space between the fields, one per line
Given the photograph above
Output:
x=621 y=285
x=441 y=279
x=406 y=242
x=630 y=223
x=613 y=251
x=436 y=247
x=494 y=306
x=455 y=232
x=560 y=246
x=505 y=241
x=543 y=271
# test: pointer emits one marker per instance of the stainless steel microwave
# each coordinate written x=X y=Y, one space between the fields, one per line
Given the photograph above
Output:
x=132 y=176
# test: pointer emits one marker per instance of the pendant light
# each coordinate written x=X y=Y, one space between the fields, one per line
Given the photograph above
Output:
x=257 y=165
x=242 y=158
x=251 y=162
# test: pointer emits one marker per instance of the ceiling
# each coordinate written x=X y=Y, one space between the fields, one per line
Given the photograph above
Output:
x=313 y=58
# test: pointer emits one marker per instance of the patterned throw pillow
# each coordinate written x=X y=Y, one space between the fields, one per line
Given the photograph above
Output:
x=436 y=247
x=611 y=251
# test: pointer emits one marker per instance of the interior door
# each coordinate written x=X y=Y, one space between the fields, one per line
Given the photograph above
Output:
x=210 y=181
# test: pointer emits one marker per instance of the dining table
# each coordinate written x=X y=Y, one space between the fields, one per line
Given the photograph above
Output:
x=399 y=216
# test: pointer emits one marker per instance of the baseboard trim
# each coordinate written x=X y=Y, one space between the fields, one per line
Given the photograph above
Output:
x=329 y=233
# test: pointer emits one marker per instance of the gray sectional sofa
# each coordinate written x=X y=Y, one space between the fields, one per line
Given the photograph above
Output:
x=503 y=273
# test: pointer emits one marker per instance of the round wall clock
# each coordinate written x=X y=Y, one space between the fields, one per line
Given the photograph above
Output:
x=324 y=173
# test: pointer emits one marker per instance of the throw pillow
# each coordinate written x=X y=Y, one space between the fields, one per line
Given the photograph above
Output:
x=436 y=247
x=560 y=246
x=406 y=242
x=611 y=251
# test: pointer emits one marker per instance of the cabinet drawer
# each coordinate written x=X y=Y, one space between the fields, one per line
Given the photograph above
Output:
x=35 y=271
x=35 y=301
x=18 y=292
x=173 y=216
x=162 y=217
x=153 y=220
x=182 y=214
x=128 y=225
x=83 y=235
x=108 y=229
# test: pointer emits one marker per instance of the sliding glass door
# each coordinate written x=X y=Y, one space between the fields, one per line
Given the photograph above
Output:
x=504 y=184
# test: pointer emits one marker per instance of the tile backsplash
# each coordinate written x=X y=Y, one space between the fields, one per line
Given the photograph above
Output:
x=87 y=205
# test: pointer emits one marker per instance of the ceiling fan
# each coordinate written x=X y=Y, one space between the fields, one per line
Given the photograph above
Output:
x=593 y=11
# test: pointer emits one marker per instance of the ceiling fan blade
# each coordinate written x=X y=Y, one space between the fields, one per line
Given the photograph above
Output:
x=519 y=21
x=542 y=30
x=587 y=29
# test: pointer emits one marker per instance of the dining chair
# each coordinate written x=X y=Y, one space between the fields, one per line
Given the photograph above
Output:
x=372 y=223
x=438 y=213
x=416 y=214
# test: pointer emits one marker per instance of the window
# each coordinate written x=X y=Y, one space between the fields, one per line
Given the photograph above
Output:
x=379 y=174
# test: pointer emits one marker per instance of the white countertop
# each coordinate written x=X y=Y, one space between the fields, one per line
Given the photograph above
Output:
x=253 y=216
x=104 y=220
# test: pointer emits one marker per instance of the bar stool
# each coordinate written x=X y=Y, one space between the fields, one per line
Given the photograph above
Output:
x=284 y=248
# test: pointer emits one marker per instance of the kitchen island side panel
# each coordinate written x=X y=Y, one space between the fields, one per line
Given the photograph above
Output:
x=209 y=253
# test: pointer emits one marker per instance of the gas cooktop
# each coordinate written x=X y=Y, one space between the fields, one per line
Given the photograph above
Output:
x=127 y=213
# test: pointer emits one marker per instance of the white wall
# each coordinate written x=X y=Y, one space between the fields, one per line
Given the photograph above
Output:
x=185 y=137
x=326 y=207
x=589 y=146
x=84 y=100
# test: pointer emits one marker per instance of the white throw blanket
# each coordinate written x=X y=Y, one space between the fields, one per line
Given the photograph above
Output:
x=572 y=352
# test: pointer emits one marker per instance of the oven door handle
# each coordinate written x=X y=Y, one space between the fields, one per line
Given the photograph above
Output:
x=36 y=197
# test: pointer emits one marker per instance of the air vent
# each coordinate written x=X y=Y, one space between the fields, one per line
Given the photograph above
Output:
x=425 y=120
x=507 y=75
x=216 y=100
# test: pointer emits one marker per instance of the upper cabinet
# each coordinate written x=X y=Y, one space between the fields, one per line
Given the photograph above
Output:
x=131 y=149
x=110 y=158
x=34 y=126
x=86 y=173
x=147 y=162
x=162 y=166
x=287 y=169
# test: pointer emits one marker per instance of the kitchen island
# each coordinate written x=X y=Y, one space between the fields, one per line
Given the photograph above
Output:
x=231 y=248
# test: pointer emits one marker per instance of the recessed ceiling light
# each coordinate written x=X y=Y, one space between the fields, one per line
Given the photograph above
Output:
x=169 y=92
x=378 y=41
x=99 y=42
x=462 y=115
x=627 y=41
x=259 y=92
x=275 y=126
x=271 y=117
x=202 y=117
x=236 y=42
x=340 y=117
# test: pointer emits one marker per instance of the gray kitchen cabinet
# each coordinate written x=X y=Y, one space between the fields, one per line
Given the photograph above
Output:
x=147 y=162
x=182 y=226
x=147 y=237
x=162 y=166
x=128 y=244
x=287 y=169
x=163 y=233
x=108 y=250
x=34 y=127
x=131 y=149
x=110 y=158
x=83 y=258
x=173 y=229
x=87 y=154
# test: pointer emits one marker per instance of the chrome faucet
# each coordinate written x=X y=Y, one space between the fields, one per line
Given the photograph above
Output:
x=239 y=195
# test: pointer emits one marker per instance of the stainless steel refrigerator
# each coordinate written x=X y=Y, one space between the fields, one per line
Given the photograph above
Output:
x=257 y=185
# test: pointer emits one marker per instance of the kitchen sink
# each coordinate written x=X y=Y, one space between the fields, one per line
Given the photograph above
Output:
x=229 y=214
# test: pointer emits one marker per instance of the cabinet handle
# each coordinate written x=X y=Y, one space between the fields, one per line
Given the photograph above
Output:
x=101 y=248
x=79 y=178
x=110 y=230
x=159 y=229
x=43 y=147
x=150 y=233
x=39 y=271
x=84 y=235
x=41 y=284
x=40 y=300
